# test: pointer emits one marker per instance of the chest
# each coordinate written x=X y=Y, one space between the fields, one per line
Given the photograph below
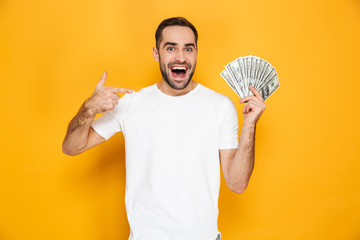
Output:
x=171 y=119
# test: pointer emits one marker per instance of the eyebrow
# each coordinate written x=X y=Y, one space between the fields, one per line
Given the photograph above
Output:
x=189 y=44
x=170 y=43
x=175 y=44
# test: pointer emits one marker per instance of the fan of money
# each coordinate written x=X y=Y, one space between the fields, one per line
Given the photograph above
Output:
x=253 y=71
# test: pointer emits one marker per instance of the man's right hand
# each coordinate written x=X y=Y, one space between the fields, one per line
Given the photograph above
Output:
x=104 y=98
x=80 y=136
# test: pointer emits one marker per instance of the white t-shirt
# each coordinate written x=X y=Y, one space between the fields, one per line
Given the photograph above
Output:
x=172 y=160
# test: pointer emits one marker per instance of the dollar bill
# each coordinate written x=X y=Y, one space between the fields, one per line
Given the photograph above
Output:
x=251 y=71
x=225 y=75
x=269 y=88
x=233 y=69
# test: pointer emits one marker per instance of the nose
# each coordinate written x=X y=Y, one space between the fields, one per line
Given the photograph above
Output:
x=180 y=56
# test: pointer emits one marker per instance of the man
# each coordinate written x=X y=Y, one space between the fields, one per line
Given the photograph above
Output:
x=176 y=133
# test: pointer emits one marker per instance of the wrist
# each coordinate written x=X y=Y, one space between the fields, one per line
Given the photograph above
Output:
x=249 y=126
x=88 y=109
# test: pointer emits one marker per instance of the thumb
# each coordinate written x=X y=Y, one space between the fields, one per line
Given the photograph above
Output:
x=102 y=81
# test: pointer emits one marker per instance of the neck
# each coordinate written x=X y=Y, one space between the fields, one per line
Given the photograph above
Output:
x=165 y=88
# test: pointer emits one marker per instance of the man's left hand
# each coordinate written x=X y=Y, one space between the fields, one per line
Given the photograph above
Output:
x=254 y=107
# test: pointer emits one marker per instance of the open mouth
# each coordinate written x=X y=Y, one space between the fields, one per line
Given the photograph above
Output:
x=179 y=72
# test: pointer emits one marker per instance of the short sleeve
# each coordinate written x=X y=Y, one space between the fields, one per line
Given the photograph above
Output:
x=229 y=126
x=110 y=122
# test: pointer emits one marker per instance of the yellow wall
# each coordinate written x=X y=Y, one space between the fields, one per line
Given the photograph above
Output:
x=306 y=182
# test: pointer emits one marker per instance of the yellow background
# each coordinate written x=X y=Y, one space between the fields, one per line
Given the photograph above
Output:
x=306 y=182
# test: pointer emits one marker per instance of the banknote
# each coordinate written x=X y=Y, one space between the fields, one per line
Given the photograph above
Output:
x=227 y=78
x=251 y=71
x=234 y=73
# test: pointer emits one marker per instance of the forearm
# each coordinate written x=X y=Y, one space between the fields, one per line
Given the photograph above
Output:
x=242 y=165
x=78 y=131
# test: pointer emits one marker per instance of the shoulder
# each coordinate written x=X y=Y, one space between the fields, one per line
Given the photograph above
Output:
x=222 y=104
x=132 y=100
x=214 y=96
x=142 y=92
x=128 y=97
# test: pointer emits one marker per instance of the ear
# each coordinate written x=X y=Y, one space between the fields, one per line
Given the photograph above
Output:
x=155 y=54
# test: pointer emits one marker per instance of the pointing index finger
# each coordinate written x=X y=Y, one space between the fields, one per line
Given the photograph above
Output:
x=121 y=90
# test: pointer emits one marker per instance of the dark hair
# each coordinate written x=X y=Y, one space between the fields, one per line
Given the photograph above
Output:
x=175 y=21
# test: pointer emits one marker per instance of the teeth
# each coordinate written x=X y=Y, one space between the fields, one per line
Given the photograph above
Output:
x=179 y=68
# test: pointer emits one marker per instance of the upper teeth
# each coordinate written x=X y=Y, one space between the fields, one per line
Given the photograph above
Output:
x=179 y=68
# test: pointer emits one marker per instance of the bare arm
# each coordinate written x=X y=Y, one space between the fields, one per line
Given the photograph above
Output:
x=80 y=136
x=238 y=164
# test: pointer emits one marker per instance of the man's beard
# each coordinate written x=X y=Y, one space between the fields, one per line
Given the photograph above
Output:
x=171 y=83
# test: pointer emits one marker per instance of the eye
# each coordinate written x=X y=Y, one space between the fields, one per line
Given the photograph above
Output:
x=171 y=49
x=188 y=50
